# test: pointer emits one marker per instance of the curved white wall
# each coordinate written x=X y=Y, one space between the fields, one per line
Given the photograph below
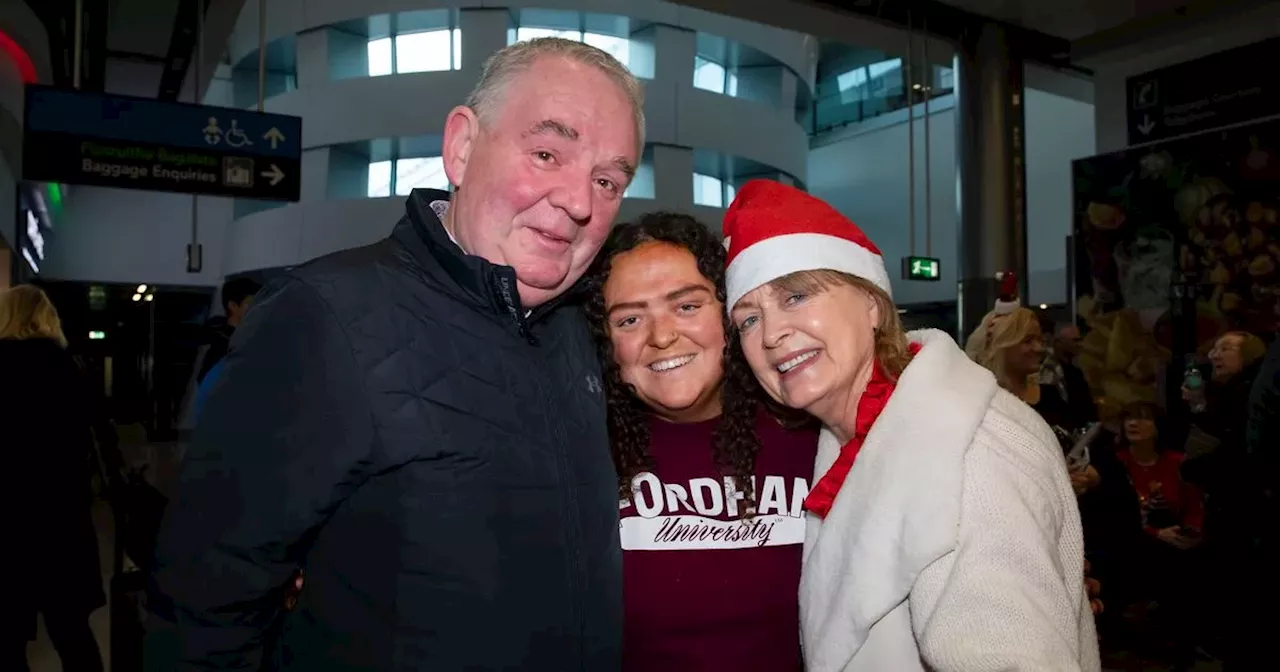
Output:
x=339 y=113
x=797 y=51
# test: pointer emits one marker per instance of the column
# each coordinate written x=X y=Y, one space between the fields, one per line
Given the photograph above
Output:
x=484 y=31
x=788 y=89
x=673 y=176
x=313 y=57
x=674 y=50
x=991 y=150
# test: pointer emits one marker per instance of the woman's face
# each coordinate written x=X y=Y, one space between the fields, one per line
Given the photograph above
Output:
x=1025 y=358
x=1139 y=430
x=1225 y=357
x=810 y=351
x=667 y=330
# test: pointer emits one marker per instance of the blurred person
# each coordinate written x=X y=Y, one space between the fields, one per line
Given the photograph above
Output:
x=1009 y=342
x=419 y=425
x=1173 y=510
x=942 y=530
x=46 y=410
x=710 y=575
x=1238 y=528
x=237 y=296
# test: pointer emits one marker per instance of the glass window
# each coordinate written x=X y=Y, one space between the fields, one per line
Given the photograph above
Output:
x=708 y=191
x=618 y=47
x=708 y=75
x=380 y=57
x=729 y=193
x=420 y=173
x=852 y=85
x=379 y=179
x=885 y=78
x=642 y=185
x=529 y=33
x=429 y=51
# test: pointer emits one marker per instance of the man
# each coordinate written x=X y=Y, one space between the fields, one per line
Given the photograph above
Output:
x=237 y=296
x=419 y=424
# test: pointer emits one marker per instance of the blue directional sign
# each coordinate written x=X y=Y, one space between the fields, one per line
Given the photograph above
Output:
x=137 y=143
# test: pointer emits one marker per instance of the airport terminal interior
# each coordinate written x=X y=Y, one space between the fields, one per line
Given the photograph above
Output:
x=1113 y=166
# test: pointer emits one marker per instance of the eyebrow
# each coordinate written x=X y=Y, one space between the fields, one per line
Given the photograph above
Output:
x=552 y=126
x=625 y=166
x=671 y=296
x=743 y=304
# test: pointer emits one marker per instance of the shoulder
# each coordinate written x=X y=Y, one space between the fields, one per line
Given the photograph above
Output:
x=1014 y=436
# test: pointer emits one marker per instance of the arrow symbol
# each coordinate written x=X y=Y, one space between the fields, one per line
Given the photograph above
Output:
x=1147 y=125
x=274 y=136
x=275 y=174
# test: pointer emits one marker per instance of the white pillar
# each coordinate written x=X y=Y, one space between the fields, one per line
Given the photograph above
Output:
x=673 y=175
x=484 y=31
x=313 y=57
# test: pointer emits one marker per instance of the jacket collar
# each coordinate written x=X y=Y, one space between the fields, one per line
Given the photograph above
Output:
x=486 y=284
x=898 y=510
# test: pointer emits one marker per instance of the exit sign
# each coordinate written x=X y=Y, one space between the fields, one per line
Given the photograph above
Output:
x=921 y=268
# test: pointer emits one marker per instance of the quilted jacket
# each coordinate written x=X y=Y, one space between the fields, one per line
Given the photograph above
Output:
x=393 y=423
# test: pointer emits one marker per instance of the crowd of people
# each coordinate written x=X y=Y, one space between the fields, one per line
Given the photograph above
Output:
x=514 y=435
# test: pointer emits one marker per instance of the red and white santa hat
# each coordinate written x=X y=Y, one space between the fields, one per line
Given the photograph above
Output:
x=772 y=230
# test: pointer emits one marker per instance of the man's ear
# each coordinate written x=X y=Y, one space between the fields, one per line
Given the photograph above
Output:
x=461 y=130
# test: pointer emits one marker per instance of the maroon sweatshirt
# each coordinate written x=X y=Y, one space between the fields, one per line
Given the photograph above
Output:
x=705 y=589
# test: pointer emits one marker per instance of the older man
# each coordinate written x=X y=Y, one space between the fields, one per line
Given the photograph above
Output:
x=419 y=424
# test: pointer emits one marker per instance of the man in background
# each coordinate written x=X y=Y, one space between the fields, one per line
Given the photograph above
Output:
x=237 y=295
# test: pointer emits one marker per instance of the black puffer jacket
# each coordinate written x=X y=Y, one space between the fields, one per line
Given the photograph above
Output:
x=390 y=421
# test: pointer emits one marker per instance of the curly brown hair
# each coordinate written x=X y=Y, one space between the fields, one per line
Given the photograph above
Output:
x=736 y=443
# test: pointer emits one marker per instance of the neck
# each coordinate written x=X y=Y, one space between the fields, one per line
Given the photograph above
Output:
x=1017 y=385
x=705 y=409
x=841 y=415
x=1144 y=451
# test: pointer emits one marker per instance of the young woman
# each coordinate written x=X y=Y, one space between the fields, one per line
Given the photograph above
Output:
x=943 y=529
x=711 y=485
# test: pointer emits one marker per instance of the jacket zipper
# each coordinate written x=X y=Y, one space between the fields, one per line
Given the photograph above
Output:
x=507 y=296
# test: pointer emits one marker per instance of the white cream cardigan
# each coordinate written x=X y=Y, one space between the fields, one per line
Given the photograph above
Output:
x=955 y=543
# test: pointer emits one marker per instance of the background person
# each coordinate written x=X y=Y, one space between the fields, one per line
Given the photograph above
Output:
x=418 y=424
x=943 y=528
x=711 y=576
x=46 y=410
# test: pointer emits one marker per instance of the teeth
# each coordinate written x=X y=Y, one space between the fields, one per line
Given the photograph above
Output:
x=796 y=361
x=669 y=364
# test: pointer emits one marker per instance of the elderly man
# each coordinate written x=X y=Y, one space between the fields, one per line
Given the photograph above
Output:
x=419 y=424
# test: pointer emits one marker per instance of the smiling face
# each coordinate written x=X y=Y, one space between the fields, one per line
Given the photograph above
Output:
x=1226 y=357
x=667 y=331
x=812 y=350
x=540 y=182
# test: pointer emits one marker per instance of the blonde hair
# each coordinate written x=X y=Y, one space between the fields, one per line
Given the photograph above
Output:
x=891 y=346
x=506 y=64
x=26 y=313
x=997 y=334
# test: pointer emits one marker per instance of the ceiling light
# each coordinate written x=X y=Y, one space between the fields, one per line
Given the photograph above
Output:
x=150 y=297
x=137 y=297
x=1044 y=306
x=142 y=288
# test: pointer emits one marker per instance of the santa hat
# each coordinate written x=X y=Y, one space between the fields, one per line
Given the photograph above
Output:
x=772 y=230
x=1007 y=297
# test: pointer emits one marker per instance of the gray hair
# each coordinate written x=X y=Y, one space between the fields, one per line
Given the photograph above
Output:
x=508 y=63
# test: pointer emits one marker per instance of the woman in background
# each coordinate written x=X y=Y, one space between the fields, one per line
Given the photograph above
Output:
x=46 y=413
x=711 y=484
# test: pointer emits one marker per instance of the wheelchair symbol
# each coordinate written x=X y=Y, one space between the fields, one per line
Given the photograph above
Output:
x=237 y=137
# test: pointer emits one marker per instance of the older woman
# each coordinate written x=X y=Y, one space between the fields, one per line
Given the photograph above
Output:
x=942 y=529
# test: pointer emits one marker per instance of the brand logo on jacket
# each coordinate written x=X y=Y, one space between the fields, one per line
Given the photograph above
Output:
x=705 y=514
x=593 y=385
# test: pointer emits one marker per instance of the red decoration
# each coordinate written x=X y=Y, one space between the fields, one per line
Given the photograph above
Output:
x=870 y=405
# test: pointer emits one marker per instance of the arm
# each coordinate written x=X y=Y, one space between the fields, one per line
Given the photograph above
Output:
x=285 y=437
x=1011 y=596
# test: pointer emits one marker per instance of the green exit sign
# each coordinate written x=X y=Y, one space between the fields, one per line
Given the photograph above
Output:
x=921 y=268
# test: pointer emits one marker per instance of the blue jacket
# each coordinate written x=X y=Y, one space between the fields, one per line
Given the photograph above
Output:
x=206 y=385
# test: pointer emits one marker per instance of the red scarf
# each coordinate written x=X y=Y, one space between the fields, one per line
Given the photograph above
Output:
x=873 y=401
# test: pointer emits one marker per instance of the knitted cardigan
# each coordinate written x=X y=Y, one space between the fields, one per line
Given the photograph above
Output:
x=955 y=542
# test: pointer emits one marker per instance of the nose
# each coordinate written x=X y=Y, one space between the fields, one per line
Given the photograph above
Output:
x=774 y=330
x=573 y=195
x=663 y=334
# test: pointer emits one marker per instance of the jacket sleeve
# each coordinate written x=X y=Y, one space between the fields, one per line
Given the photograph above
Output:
x=285 y=436
x=1011 y=596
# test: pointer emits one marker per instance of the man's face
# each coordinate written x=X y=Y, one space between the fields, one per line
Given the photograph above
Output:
x=237 y=309
x=540 y=180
